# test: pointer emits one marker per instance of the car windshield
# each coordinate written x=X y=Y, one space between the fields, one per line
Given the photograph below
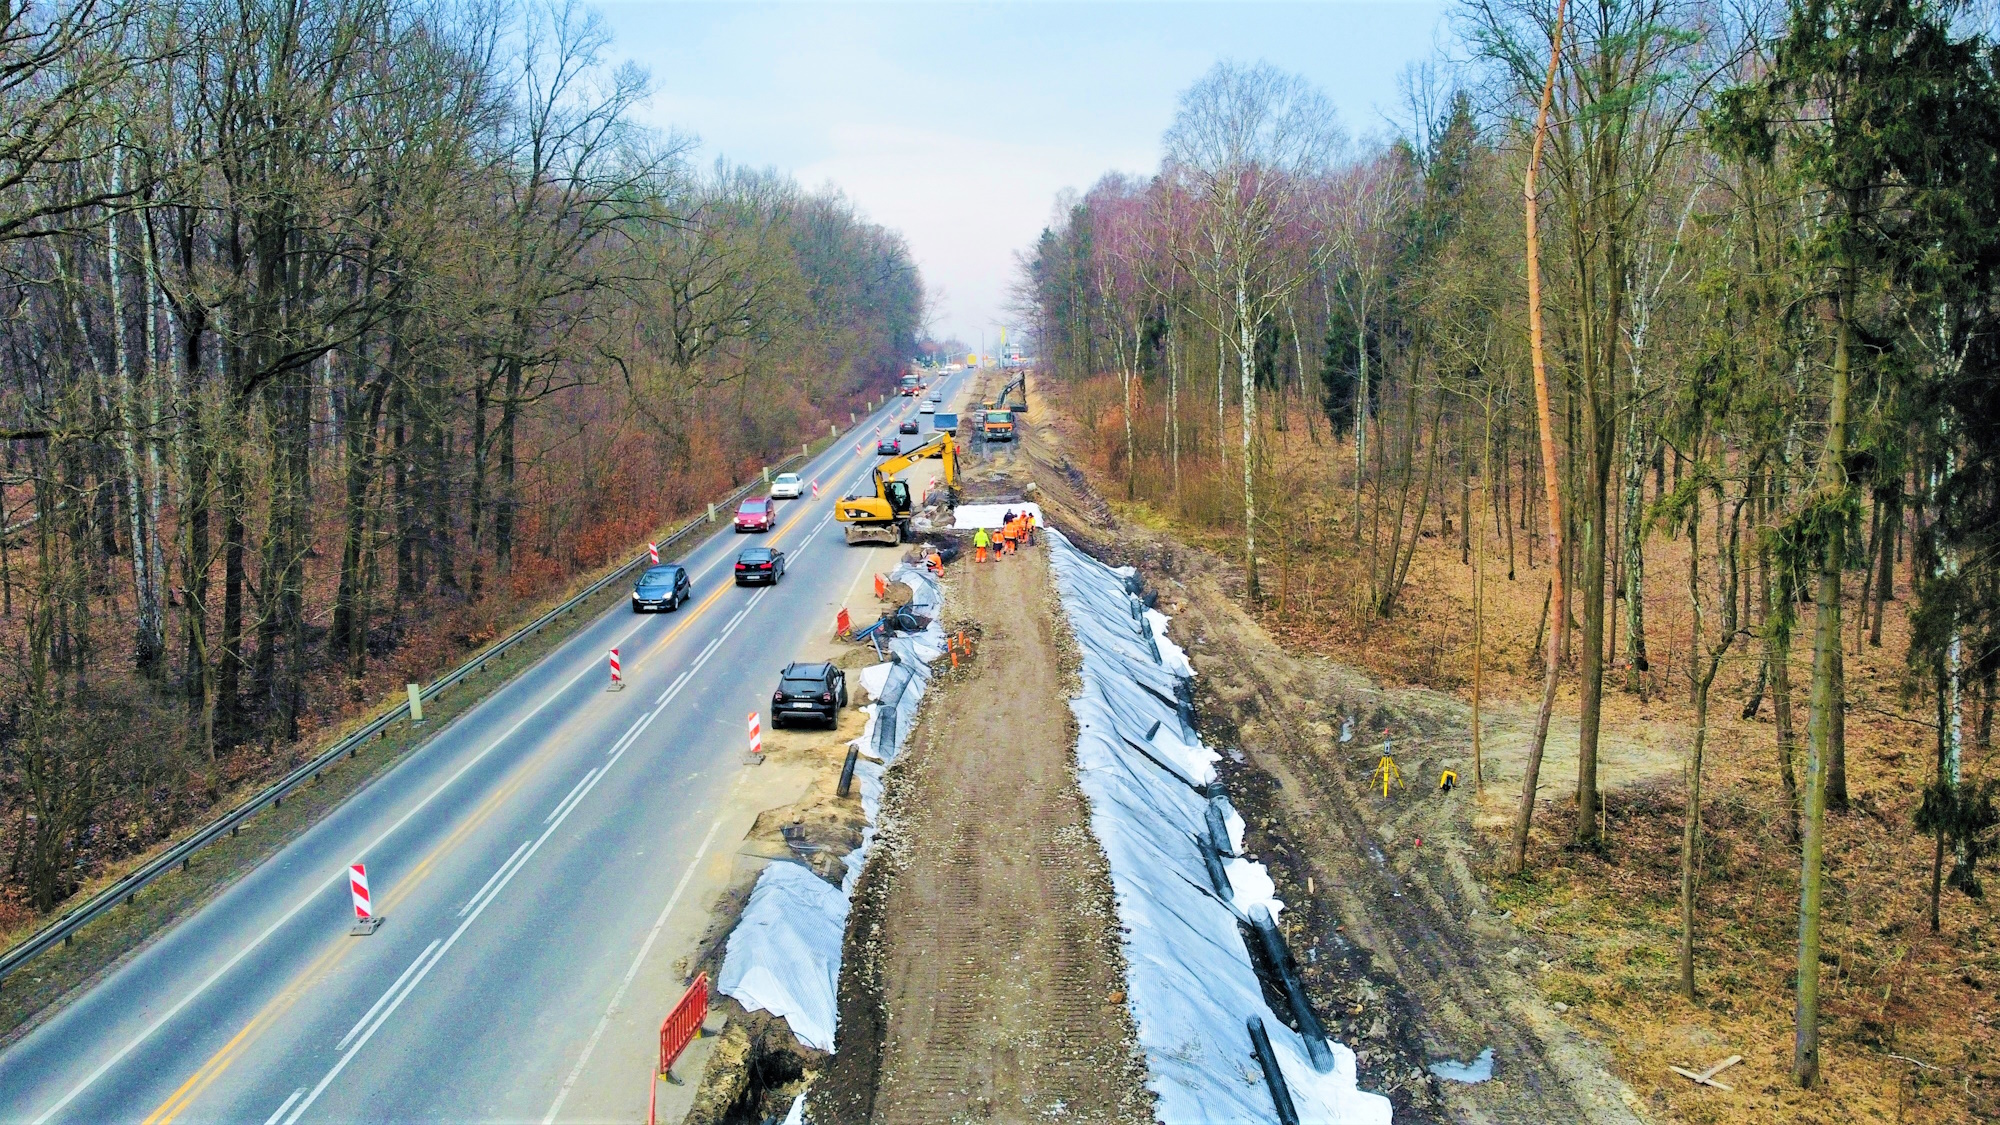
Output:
x=755 y=554
x=999 y=416
x=752 y=508
x=794 y=684
x=658 y=576
x=788 y=478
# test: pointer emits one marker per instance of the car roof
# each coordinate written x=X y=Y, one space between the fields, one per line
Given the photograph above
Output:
x=788 y=476
x=754 y=502
x=800 y=669
x=755 y=553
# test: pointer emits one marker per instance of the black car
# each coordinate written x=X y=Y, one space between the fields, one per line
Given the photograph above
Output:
x=816 y=691
x=909 y=427
x=662 y=587
x=759 y=564
x=888 y=447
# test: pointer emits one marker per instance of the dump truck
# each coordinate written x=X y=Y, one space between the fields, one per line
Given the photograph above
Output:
x=997 y=425
x=884 y=515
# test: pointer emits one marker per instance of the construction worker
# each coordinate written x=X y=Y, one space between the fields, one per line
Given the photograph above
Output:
x=935 y=562
x=980 y=541
x=1028 y=527
x=1010 y=534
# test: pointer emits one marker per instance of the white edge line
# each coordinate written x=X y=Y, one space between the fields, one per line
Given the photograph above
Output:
x=384 y=999
x=181 y=1004
x=383 y=1019
x=572 y=792
x=273 y=1119
x=659 y=923
x=490 y=878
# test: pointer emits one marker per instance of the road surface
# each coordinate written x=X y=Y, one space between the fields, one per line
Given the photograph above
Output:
x=526 y=861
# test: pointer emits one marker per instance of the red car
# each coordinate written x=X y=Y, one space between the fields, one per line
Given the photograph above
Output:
x=756 y=515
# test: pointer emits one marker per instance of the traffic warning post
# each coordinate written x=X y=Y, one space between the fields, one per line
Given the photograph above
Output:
x=815 y=485
x=653 y=553
x=756 y=740
x=617 y=673
x=366 y=921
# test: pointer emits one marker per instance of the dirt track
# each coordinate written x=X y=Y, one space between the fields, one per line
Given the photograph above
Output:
x=983 y=979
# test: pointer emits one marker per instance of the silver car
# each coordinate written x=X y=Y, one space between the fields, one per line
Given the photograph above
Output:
x=787 y=486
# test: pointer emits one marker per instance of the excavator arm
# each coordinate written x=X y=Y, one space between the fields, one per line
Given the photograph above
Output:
x=879 y=517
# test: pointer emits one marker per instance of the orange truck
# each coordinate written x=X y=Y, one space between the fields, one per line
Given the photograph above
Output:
x=997 y=425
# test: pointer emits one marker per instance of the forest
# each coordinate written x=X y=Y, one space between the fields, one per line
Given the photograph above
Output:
x=333 y=337
x=1679 y=321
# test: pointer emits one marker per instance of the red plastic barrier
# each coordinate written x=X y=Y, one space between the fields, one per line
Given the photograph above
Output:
x=684 y=1022
x=881 y=586
x=842 y=624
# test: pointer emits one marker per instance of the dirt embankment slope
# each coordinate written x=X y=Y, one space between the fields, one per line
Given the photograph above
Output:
x=1404 y=958
x=982 y=979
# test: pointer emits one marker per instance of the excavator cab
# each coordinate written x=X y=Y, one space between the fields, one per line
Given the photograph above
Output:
x=898 y=493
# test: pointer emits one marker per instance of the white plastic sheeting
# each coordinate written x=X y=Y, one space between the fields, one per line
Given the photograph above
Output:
x=1191 y=986
x=784 y=954
x=968 y=516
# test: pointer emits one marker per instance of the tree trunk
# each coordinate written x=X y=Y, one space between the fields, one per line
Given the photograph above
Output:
x=1552 y=665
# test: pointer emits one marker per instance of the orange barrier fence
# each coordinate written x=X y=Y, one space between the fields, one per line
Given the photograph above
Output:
x=843 y=624
x=681 y=1027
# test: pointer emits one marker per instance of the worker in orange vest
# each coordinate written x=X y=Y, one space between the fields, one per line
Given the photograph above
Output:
x=1028 y=527
x=980 y=541
x=1010 y=534
x=934 y=562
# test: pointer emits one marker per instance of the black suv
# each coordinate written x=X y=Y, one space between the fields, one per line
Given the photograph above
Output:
x=661 y=587
x=818 y=691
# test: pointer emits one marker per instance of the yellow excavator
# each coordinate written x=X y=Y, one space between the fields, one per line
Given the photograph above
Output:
x=884 y=516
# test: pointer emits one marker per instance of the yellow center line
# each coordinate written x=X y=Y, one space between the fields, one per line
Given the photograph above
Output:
x=184 y=1096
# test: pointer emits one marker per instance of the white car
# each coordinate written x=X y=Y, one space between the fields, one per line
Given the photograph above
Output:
x=927 y=408
x=787 y=486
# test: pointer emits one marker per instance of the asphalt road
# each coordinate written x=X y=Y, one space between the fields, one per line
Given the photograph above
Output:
x=525 y=860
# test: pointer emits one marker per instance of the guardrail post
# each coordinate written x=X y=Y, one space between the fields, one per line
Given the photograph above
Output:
x=416 y=705
x=805 y=449
x=851 y=419
x=767 y=474
x=711 y=513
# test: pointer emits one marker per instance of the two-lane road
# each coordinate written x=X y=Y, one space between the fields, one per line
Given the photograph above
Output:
x=526 y=861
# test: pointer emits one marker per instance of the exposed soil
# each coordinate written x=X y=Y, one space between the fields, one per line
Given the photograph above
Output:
x=983 y=979
x=1402 y=954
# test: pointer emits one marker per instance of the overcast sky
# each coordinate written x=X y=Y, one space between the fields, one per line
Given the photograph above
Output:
x=957 y=123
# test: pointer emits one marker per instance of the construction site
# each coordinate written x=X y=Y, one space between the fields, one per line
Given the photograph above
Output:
x=1073 y=856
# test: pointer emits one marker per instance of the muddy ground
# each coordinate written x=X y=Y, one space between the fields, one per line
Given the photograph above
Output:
x=983 y=979
x=1403 y=957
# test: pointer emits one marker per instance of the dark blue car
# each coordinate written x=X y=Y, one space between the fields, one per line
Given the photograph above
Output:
x=662 y=587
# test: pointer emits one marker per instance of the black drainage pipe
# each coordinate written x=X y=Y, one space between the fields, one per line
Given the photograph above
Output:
x=847 y=771
x=1281 y=1097
x=1295 y=993
x=1218 y=827
x=1216 y=875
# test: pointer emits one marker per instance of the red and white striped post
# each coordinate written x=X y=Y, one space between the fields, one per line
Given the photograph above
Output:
x=365 y=918
x=756 y=735
x=815 y=490
x=617 y=674
x=653 y=553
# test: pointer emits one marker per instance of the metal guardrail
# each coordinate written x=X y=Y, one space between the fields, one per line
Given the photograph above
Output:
x=127 y=888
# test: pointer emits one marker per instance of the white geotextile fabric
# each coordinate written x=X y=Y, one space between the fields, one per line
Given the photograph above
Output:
x=784 y=955
x=966 y=517
x=1191 y=986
